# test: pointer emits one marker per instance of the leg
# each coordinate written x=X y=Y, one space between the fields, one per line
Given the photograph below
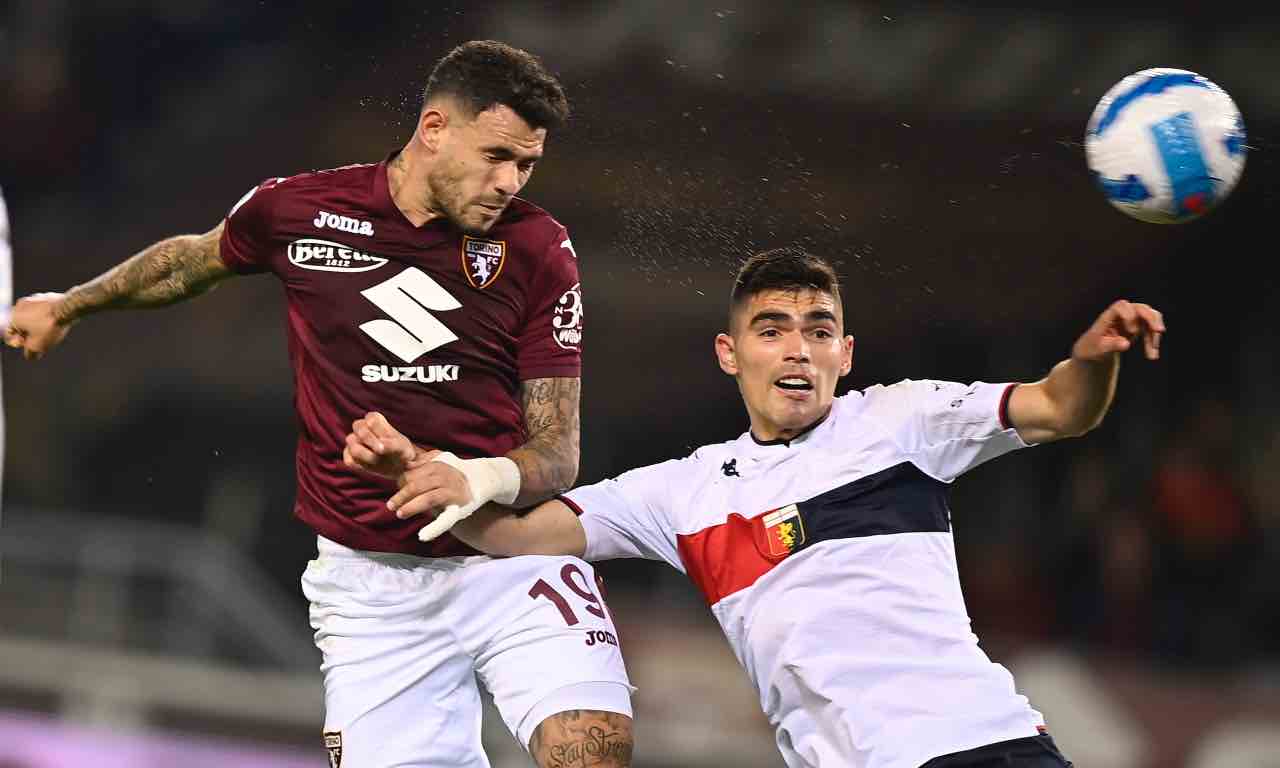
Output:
x=546 y=647
x=583 y=738
x=398 y=691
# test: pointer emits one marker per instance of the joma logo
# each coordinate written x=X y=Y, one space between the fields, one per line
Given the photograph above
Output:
x=343 y=223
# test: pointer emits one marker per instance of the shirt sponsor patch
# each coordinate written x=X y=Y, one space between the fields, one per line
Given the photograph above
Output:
x=328 y=256
x=482 y=260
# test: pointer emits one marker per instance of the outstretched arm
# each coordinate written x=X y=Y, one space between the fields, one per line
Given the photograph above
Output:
x=167 y=272
x=550 y=528
x=1077 y=393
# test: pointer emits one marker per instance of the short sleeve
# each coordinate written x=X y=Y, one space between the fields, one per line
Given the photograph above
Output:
x=948 y=428
x=629 y=516
x=246 y=244
x=550 y=343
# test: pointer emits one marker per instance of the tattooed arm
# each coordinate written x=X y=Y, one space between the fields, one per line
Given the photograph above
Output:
x=583 y=738
x=167 y=272
x=452 y=488
x=548 y=460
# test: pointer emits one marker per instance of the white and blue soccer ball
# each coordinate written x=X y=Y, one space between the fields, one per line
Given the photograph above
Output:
x=1165 y=145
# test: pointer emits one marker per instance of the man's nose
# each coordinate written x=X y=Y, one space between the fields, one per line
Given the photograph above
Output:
x=508 y=180
x=796 y=348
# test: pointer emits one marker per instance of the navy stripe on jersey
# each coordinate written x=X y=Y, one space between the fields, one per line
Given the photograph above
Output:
x=900 y=499
x=729 y=557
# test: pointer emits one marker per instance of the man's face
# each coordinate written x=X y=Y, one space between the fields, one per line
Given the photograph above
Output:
x=787 y=353
x=481 y=164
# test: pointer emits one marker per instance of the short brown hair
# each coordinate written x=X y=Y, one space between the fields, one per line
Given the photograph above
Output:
x=482 y=73
x=783 y=269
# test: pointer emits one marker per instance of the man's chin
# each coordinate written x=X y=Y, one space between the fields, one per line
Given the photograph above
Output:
x=474 y=228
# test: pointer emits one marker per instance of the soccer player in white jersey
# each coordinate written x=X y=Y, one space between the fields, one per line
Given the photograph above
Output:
x=821 y=538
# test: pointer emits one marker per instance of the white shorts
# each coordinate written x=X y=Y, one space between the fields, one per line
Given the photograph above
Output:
x=404 y=639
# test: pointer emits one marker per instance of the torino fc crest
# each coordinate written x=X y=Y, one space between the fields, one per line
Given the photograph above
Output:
x=333 y=743
x=482 y=260
x=784 y=530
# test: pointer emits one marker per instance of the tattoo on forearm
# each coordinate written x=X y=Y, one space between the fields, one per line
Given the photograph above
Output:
x=169 y=271
x=548 y=462
x=583 y=739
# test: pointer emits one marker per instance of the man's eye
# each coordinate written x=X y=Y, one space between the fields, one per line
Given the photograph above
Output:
x=769 y=332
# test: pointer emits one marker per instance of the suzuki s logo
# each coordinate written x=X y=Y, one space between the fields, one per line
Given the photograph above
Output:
x=343 y=223
x=331 y=257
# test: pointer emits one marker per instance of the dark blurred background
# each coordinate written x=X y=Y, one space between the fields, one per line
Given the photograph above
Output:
x=932 y=150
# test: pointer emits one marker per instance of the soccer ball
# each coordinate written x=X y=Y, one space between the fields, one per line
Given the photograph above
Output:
x=1165 y=145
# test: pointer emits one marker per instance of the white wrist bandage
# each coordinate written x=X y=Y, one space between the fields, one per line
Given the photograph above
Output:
x=490 y=480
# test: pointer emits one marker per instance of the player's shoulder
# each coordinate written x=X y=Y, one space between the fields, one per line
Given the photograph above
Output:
x=885 y=400
x=531 y=225
x=353 y=175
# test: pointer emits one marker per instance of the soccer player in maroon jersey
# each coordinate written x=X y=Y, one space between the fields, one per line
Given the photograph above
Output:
x=422 y=288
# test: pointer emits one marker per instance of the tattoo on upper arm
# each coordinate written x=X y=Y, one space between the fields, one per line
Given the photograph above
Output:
x=583 y=738
x=548 y=461
x=171 y=270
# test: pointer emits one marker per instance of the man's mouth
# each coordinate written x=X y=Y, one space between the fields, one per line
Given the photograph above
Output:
x=794 y=384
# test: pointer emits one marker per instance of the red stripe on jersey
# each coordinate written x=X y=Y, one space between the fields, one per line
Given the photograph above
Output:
x=1004 y=406
x=726 y=558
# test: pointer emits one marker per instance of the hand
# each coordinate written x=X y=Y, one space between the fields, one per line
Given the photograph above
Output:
x=1117 y=328
x=34 y=326
x=373 y=445
x=432 y=486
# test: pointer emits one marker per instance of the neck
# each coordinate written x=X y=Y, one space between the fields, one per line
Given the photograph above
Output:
x=765 y=432
x=410 y=190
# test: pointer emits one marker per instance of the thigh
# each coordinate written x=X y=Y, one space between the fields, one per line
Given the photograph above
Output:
x=544 y=642
x=398 y=689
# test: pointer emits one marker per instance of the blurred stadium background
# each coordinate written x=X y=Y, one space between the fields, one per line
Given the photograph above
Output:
x=149 y=608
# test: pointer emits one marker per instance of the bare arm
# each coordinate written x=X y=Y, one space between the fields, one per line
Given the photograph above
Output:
x=169 y=271
x=548 y=461
x=551 y=528
x=1077 y=393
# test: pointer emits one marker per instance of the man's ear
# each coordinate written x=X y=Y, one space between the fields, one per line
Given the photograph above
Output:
x=727 y=354
x=431 y=125
x=846 y=364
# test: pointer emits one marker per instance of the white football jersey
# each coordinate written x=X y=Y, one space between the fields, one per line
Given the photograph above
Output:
x=828 y=561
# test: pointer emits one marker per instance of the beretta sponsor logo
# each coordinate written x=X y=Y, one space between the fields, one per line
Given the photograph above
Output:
x=332 y=257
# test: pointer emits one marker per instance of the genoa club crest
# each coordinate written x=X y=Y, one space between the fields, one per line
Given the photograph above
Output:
x=482 y=260
x=783 y=530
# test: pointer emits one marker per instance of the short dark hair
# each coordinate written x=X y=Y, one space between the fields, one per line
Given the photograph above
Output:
x=783 y=269
x=482 y=73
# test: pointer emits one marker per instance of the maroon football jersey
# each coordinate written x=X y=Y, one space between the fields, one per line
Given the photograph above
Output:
x=433 y=328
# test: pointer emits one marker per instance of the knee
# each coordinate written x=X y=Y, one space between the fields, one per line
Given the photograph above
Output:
x=583 y=737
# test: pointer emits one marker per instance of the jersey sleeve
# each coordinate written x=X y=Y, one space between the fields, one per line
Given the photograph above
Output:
x=247 y=232
x=630 y=515
x=550 y=342
x=948 y=428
